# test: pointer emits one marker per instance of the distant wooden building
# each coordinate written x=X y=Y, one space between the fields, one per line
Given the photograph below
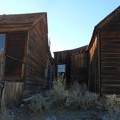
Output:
x=104 y=54
x=25 y=56
x=73 y=64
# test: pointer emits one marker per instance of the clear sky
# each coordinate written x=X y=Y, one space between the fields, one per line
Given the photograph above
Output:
x=70 y=22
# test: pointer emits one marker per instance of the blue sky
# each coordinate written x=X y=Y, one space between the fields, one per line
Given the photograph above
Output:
x=70 y=22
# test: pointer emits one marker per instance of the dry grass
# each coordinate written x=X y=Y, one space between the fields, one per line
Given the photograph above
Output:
x=39 y=103
x=76 y=98
x=80 y=98
x=112 y=100
x=113 y=106
x=58 y=93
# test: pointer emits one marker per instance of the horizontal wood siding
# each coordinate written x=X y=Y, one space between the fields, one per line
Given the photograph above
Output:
x=14 y=27
x=110 y=62
x=37 y=58
x=12 y=93
x=104 y=62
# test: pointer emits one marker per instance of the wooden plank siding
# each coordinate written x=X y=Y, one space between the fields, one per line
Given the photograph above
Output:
x=12 y=93
x=110 y=56
x=62 y=57
x=79 y=66
x=27 y=56
x=110 y=63
x=37 y=58
x=76 y=62
x=15 y=55
x=93 y=74
x=104 y=67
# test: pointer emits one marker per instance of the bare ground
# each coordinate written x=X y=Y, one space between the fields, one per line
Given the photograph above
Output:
x=60 y=114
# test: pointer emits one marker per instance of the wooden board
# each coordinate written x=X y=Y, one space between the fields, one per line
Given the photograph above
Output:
x=12 y=93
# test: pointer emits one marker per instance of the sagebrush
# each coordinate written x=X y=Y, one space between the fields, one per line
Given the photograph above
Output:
x=59 y=93
x=113 y=106
x=39 y=103
x=77 y=97
x=80 y=98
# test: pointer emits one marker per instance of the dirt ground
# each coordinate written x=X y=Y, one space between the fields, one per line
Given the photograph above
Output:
x=60 y=114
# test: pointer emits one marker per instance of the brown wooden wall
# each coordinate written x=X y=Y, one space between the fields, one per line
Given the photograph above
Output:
x=110 y=62
x=12 y=93
x=14 y=55
x=110 y=56
x=79 y=65
x=15 y=50
x=62 y=57
x=104 y=65
x=37 y=61
x=94 y=67
x=76 y=64
x=27 y=60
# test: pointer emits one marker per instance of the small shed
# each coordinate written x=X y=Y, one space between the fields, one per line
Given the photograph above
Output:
x=25 y=56
x=73 y=64
x=104 y=55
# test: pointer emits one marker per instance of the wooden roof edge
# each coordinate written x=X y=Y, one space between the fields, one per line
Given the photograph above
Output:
x=101 y=24
x=108 y=18
x=26 y=13
x=92 y=40
x=46 y=22
x=39 y=19
x=83 y=47
x=44 y=15
x=79 y=48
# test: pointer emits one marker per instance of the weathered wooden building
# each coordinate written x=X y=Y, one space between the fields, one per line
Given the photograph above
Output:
x=104 y=54
x=25 y=55
x=73 y=64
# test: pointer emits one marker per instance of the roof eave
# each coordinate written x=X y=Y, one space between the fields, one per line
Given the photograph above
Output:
x=101 y=24
x=35 y=22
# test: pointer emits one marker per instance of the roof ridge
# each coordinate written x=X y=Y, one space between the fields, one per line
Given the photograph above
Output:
x=23 y=13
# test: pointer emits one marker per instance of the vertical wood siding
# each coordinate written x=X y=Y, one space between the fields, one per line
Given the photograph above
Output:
x=76 y=64
x=12 y=93
x=62 y=57
x=78 y=70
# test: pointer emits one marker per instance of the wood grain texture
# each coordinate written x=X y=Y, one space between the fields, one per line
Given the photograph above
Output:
x=76 y=64
x=12 y=93
x=38 y=58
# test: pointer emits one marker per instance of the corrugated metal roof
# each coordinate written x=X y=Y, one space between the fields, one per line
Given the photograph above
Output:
x=20 y=18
